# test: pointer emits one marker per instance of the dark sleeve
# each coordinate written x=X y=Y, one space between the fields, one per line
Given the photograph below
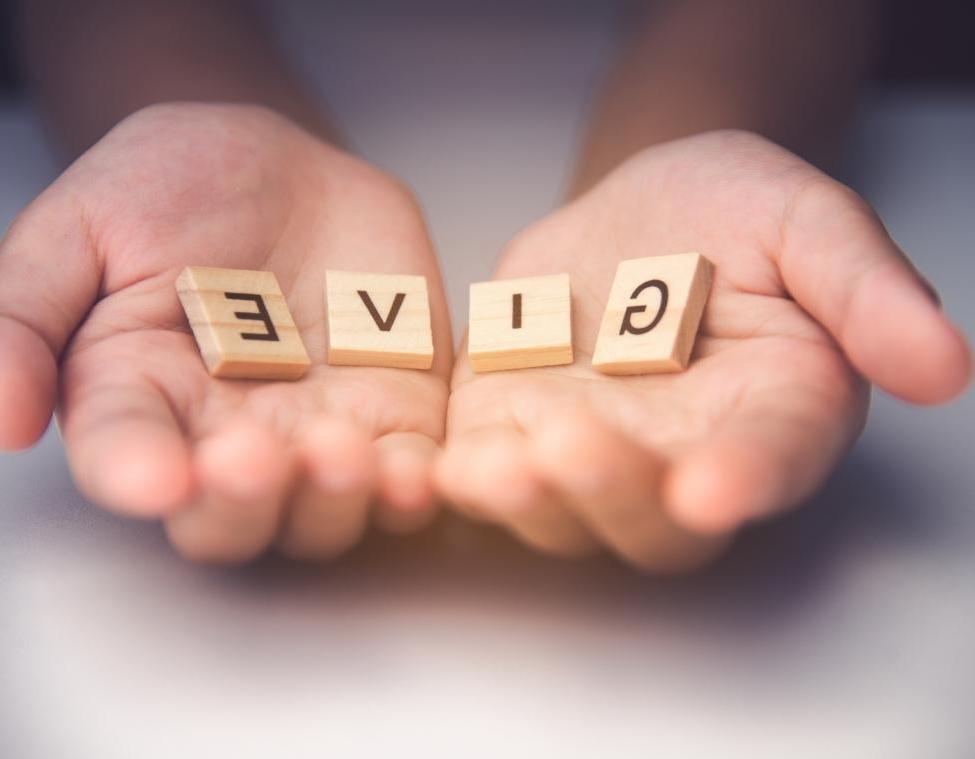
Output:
x=10 y=78
x=929 y=42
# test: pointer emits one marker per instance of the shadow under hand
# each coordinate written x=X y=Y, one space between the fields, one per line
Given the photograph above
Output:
x=137 y=612
x=772 y=572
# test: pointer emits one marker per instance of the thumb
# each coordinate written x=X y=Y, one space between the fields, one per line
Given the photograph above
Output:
x=49 y=279
x=840 y=264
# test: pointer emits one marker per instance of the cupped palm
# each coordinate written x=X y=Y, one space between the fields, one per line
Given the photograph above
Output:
x=232 y=465
x=809 y=295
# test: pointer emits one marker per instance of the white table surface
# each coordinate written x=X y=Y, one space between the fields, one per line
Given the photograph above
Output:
x=844 y=630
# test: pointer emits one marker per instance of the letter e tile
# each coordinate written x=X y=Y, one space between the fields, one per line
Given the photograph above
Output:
x=241 y=323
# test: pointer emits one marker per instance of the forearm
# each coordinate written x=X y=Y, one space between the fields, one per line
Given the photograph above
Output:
x=94 y=62
x=787 y=70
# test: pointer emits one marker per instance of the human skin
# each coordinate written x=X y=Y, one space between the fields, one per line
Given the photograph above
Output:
x=91 y=63
x=790 y=71
x=811 y=299
x=660 y=470
x=232 y=467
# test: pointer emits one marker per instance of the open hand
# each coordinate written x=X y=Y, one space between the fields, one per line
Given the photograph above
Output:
x=89 y=315
x=810 y=295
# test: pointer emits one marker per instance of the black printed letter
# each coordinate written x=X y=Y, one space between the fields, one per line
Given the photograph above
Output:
x=630 y=312
x=260 y=316
x=387 y=324
x=516 y=311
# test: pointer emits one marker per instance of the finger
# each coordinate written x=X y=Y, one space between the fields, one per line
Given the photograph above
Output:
x=407 y=500
x=840 y=264
x=125 y=447
x=491 y=474
x=329 y=509
x=49 y=278
x=773 y=451
x=28 y=373
x=613 y=486
x=243 y=474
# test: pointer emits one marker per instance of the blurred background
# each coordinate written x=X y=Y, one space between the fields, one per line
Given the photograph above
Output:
x=844 y=629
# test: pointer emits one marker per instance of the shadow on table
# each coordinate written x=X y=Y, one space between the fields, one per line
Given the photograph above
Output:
x=471 y=594
x=773 y=572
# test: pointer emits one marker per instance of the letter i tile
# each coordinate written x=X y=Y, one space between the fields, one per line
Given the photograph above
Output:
x=520 y=323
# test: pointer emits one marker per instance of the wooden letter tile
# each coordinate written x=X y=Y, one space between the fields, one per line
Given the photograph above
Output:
x=241 y=323
x=378 y=320
x=520 y=323
x=652 y=315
